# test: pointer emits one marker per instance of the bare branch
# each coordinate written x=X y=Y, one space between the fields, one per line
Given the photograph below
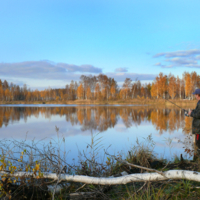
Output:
x=137 y=166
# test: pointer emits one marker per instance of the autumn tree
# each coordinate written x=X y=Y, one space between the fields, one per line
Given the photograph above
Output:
x=142 y=91
x=89 y=81
x=61 y=94
x=172 y=86
x=85 y=83
x=126 y=87
x=88 y=93
x=80 y=92
x=113 y=91
x=104 y=93
x=104 y=85
x=1 y=91
x=188 y=85
x=28 y=96
x=7 y=94
x=138 y=88
x=179 y=86
x=67 y=92
x=161 y=81
x=194 y=79
x=154 y=90
x=72 y=91
x=97 y=92
x=148 y=89
x=5 y=85
x=134 y=89
x=122 y=94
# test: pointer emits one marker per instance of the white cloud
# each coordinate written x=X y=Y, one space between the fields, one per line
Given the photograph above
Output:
x=44 y=70
x=43 y=74
x=183 y=53
x=187 y=58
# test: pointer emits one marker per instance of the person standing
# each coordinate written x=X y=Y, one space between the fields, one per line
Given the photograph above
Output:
x=196 y=124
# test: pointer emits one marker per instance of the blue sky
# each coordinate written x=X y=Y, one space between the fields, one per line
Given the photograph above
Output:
x=47 y=43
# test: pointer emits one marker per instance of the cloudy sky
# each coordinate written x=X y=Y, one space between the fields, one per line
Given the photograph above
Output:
x=50 y=42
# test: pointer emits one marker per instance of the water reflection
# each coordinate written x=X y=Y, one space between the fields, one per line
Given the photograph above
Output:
x=119 y=125
x=101 y=118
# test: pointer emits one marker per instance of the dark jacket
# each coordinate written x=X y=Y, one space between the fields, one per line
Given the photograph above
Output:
x=196 y=119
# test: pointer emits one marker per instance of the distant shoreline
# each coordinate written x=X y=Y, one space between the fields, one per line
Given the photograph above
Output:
x=111 y=102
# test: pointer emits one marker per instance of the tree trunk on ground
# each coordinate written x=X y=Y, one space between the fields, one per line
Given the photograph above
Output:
x=142 y=177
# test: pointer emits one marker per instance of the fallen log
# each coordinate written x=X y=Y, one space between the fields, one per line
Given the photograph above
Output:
x=142 y=177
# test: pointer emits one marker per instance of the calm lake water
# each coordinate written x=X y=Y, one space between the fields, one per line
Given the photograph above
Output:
x=119 y=126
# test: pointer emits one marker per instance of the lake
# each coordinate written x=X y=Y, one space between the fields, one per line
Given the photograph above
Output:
x=118 y=126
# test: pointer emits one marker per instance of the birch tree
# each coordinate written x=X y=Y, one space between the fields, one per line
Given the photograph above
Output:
x=172 y=86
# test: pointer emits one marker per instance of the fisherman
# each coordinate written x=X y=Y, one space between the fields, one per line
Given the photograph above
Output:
x=196 y=123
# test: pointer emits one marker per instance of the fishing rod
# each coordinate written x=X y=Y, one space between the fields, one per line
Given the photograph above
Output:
x=175 y=104
x=185 y=111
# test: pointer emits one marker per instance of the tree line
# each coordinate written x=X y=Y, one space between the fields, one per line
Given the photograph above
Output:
x=102 y=87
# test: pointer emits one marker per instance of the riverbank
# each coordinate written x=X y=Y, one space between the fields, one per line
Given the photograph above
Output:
x=139 y=160
x=110 y=102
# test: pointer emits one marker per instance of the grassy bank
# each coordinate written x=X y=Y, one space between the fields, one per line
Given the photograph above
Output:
x=21 y=156
x=110 y=102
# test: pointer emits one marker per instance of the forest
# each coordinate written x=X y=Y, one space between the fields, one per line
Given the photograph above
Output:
x=103 y=88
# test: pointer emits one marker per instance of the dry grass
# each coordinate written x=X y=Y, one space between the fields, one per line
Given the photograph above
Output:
x=142 y=153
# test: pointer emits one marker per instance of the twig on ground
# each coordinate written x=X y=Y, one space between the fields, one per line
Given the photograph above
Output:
x=137 y=166
x=165 y=166
x=141 y=187
x=80 y=187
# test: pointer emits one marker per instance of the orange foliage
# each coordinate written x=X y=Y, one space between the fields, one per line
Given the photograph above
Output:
x=188 y=85
x=88 y=94
x=161 y=81
x=154 y=90
x=102 y=87
x=172 y=86
x=97 y=92
x=113 y=91
x=80 y=92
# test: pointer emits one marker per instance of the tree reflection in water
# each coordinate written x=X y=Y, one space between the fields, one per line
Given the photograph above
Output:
x=100 y=118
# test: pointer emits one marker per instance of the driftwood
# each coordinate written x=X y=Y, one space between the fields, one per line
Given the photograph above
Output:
x=140 y=177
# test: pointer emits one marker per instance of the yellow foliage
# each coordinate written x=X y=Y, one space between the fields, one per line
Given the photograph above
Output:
x=80 y=92
x=37 y=167
x=88 y=93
